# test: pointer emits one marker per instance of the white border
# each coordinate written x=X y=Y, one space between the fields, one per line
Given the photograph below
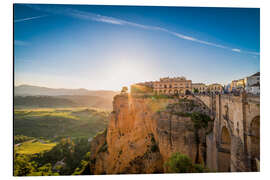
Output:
x=202 y=3
x=6 y=83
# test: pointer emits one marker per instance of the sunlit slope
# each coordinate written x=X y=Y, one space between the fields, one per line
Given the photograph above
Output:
x=60 y=122
x=62 y=101
x=33 y=146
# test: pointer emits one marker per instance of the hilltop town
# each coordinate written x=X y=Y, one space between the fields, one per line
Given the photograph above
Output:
x=181 y=85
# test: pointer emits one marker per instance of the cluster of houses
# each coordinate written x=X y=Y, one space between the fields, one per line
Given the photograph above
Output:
x=250 y=84
x=180 y=85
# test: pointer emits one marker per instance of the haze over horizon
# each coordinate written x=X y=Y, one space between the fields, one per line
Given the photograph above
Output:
x=20 y=85
x=108 y=47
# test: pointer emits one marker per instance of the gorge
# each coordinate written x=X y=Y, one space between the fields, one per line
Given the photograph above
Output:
x=220 y=132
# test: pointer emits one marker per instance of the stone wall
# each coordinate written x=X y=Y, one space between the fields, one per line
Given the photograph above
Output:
x=235 y=142
x=209 y=101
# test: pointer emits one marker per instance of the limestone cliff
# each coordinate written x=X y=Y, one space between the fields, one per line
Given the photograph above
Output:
x=144 y=131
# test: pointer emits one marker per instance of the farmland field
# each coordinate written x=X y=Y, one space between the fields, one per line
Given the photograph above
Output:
x=33 y=146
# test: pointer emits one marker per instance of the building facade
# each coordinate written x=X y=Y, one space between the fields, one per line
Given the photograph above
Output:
x=175 y=85
x=233 y=85
x=202 y=88
x=252 y=83
x=240 y=84
x=215 y=88
x=181 y=85
x=237 y=85
x=169 y=86
x=199 y=88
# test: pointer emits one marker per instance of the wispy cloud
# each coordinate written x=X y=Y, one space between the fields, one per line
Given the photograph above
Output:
x=29 y=18
x=236 y=50
x=20 y=43
x=115 y=21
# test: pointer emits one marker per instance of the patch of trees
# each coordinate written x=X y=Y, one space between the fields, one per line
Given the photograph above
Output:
x=68 y=151
x=24 y=166
x=84 y=167
x=21 y=138
x=66 y=158
x=181 y=163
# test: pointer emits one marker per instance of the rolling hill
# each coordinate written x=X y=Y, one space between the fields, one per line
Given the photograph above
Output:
x=62 y=101
x=35 y=96
x=29 y=90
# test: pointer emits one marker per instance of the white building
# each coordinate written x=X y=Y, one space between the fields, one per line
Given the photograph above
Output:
x=252 y=83
x=254 y=90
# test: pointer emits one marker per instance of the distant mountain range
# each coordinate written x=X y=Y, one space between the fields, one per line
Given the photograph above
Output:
x=29 y=90
x=35 y=96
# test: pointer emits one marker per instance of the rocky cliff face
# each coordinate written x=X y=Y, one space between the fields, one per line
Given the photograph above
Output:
x=143 y=132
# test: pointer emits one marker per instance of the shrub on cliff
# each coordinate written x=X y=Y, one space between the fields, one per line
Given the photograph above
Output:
x=200 y=120
x=83 y=168
x=154 y=146
x=124 y=89
x=196 y=91
x=181 y=163
x=162 y=96
x=140 y=89
x=103 y=148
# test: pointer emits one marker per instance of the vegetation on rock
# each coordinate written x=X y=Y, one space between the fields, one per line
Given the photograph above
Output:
x=103 y=148
x=139 y=89
x=180 y=163
x=200 y=120
x=124 y=89
x=154 y=146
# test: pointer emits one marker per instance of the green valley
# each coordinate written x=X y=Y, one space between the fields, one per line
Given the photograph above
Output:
x=55 y=123
x=55 y=141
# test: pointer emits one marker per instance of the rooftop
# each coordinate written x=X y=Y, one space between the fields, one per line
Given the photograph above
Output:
x=256 y=74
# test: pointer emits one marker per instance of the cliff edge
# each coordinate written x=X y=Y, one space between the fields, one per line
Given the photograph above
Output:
x=144 y=131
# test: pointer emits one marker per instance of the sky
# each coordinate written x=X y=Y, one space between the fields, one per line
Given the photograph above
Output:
x=108 y=47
